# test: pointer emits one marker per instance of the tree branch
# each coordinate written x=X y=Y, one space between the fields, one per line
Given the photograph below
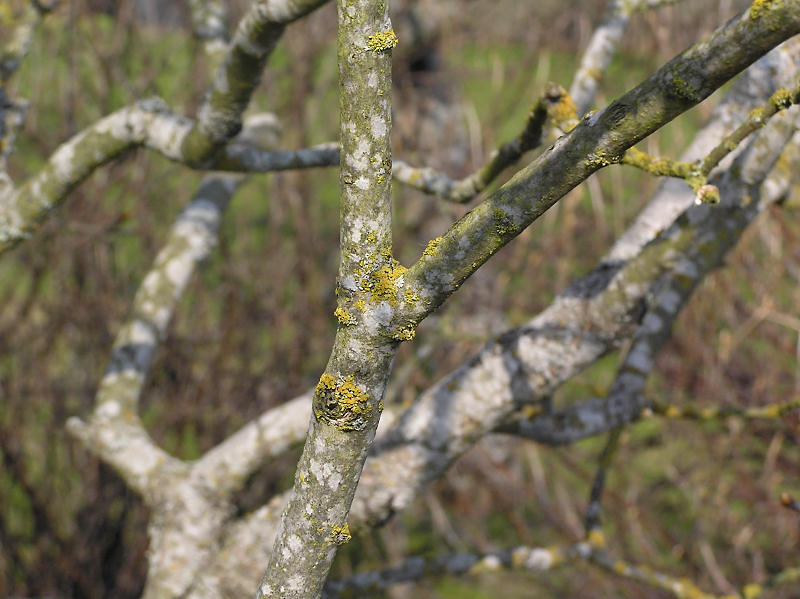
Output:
x=713 y=232
x=147 y=123
x=601 y=49
x=349 y=396
x=597 y=141
x=220 y=117
x=513 y=371
x=554 y=107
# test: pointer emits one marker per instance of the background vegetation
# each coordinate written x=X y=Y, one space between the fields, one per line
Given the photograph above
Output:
x=695 y=499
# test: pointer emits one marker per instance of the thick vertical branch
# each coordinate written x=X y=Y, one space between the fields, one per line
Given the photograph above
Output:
x=348 y=399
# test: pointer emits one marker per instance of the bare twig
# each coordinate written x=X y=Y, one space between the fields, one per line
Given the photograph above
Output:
x=554 y=107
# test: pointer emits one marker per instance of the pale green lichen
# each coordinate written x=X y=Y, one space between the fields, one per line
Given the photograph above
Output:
x=503 y=224
x=683 y=89
x=597 y=160
x=385 y=40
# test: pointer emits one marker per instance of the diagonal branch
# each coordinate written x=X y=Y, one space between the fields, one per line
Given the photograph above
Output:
x=513 y=371
x=559 y=105
x=597 y=141
x=712 y=233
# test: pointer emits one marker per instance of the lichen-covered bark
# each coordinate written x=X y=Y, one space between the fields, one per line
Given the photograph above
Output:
x=778 y=69
x=585 y=322
x=193 y=533
x=711 y=232
x=220 y=117
x=147 y=123
x=186 y=514
x=188 y=505
x=349 y=396
x=599 y=140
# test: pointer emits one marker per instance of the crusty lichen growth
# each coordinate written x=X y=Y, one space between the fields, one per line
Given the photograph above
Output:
x=563 y=113
x=683 y=89
x=385 y=40
x=341 y=402
x=430 y=249
x=381 y=283
x=782 y=99
x=503 y=224
x=341 y=534
x=404 y=333
x=344 y=317
x=760 y=7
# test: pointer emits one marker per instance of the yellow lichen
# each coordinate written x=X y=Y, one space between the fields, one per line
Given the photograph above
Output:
x=564 y=113
x=753 y=590
x=596 y=538
x=781 y=99
x=382 y=283
x=411 y=297
x=351 y=398
x=760 y=7
x=430 y=249
x=770 y=411
x=340 y=534
x=385 y=40
x=360 y=305
x=326 y=382
x=340 y=401
x=343 y=317
x=405 y=333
